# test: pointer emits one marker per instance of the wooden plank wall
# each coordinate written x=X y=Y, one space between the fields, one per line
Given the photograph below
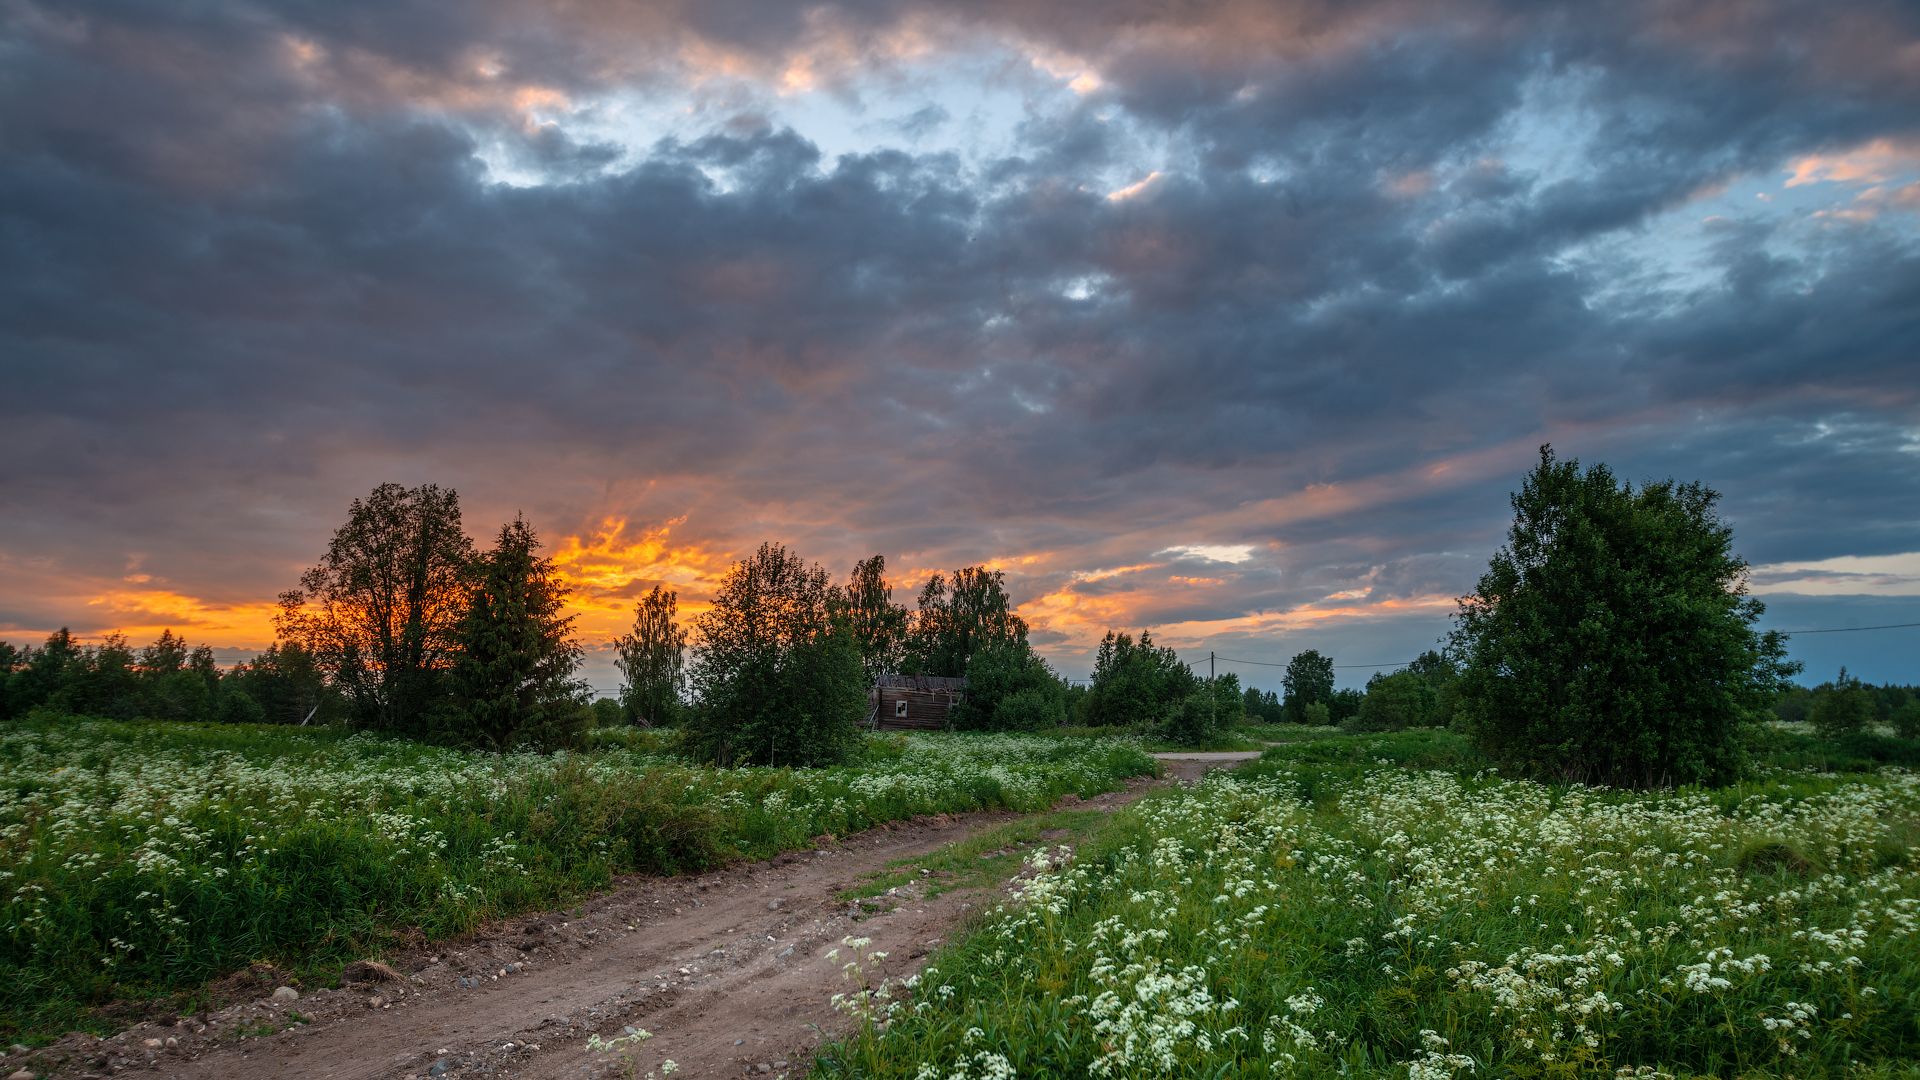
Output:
x=926 y=710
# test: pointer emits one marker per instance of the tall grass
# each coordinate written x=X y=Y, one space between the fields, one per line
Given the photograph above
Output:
x=1383 y=906
x=139 y=859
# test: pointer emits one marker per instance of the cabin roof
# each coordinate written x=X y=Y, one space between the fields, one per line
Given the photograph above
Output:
x=926 y=683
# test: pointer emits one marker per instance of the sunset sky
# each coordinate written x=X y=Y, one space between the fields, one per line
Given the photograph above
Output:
x=1233 y=320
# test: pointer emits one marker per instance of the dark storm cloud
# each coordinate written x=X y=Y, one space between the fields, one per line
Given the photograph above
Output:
x=257 y=262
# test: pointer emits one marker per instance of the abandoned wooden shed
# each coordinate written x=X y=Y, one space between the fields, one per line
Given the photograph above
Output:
x=914 y=702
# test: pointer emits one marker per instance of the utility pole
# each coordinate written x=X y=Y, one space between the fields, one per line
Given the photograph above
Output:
x=1213 y=706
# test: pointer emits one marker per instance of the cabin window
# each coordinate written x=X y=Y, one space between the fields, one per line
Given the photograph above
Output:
x=900 y=709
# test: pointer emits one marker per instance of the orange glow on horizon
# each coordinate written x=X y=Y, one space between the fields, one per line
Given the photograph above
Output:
x=614 y=564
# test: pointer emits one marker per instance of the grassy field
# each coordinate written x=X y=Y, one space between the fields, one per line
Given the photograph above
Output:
x=1384 y=906
x=143 y=859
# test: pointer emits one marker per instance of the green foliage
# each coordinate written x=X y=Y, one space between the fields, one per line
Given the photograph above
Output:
x=200 y=848
x=1308 y=679
x=778 y=677
x=959 y=616
x=512 y=682
x=879 y=625
x=1031 y=708
x=1317 y=715
x=238 y=707
x=1394 y=701
x=608 y=713
x=1906 y=719
x=653 y=658
x=1010 y=688
x=1344 y=705
x=1840 y=707
x=379 y=612
x=1611 y=640
x=1193 y=720
x=37 y=674
x=1262 y=706
x=1135 y=683
x=287 y=682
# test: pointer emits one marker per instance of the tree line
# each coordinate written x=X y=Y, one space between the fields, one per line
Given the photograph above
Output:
x=166 y=680
x=1611 y=640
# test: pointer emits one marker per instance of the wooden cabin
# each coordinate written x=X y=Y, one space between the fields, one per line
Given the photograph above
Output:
x=914 y=702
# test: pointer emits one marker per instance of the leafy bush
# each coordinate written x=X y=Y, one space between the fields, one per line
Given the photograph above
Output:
x=1036 y=708
x=238 y=707
x=1841 y=707
x=1193 y=720
x=999 y=672
x=1393 y=702
x=1906 y=720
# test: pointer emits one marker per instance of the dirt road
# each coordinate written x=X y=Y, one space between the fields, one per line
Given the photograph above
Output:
x=731 y=972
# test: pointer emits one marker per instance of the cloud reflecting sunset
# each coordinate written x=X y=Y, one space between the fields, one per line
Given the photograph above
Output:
x=1237 y=323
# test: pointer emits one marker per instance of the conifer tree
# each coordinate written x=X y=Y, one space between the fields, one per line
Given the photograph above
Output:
x=513 y=679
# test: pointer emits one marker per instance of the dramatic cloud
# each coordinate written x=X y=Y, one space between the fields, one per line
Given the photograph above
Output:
x=1237 y=321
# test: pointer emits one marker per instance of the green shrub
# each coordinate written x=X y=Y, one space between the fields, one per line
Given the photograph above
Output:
x=608 y=713
x=1036 y=708
x=1194 y=720
x=1394 y=702
x=1135 y=682
x=1000 y=672
x=238 y=707
x=1906 y=719
x=1841 y=707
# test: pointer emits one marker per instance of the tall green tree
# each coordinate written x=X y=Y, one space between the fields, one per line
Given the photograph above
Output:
x=512 y=681
x=378 y=612
x=1612 y=639
x=653 y=659
x=104 y=682
x=957 y=616
x=287 y=685
x=879 y=625
x=777 y=676
x=168 y=688
x=1394 y=701
x=1307 y=680
x=40 y=673
x=1010 y=688
x=1135 y=682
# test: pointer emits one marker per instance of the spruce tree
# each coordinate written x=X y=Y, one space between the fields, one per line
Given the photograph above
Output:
x=513 y=681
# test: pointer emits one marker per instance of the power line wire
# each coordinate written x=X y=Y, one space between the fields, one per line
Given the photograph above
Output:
x=1406 y=663
x=1849 y=629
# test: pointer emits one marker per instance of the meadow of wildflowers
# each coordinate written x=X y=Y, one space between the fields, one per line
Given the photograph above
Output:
x=139 y=859
x=1337 y=909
